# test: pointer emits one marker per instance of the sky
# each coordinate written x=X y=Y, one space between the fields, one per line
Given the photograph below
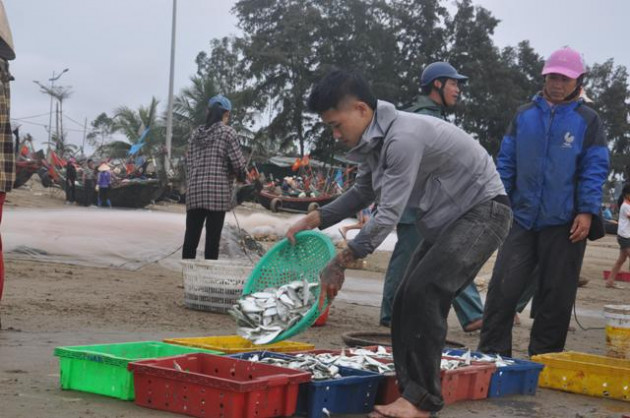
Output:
x=118 y=51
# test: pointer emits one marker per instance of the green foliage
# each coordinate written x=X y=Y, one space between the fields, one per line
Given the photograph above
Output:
x=286 y=45
x=131 y=123
x=607 y=85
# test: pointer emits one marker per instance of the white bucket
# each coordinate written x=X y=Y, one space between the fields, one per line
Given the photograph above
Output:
x=618 y=330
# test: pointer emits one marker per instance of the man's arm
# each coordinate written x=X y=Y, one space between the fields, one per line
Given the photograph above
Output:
x=593 y=166
x=402 y=160
x=358 y=197
x=506 y=160
x=592 y=170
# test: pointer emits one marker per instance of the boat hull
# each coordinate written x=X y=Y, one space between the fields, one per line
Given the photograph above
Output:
x=276 y=203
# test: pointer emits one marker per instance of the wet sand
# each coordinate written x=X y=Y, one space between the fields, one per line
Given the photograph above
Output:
x=49 y=304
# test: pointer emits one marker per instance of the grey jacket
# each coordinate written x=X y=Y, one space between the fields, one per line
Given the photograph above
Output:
x=416 y=161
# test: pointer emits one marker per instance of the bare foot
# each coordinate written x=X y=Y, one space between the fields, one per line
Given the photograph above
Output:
x=375 y=414
x=474 y=326
x=613 y=285
x=401 y=408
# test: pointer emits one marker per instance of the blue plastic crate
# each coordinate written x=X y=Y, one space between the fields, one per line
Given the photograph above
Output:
x=353 y=393
x=520 y=378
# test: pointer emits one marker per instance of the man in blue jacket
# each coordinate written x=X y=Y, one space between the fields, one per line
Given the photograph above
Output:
x=553 y=163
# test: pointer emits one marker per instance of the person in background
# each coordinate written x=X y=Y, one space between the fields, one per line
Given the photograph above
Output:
x=362 y=217
x=7 y=152
x=554 y=202
x=623 y=236
x=213 y=160
x=607 y=213
x=104 y=183
x=89 y=182
x=71 y=178
x=440 y=84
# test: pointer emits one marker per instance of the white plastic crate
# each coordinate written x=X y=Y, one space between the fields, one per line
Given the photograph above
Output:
x=214 y=285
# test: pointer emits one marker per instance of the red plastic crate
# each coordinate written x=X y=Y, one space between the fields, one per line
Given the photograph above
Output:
x=205 y=385
x=466 y=383
x=623 y=276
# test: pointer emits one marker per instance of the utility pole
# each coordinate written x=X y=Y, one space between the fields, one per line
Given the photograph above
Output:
x=52 y=89
x=169 y=114
x=84 y=136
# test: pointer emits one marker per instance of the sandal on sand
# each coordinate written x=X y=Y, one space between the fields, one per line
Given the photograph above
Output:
x=342 y=233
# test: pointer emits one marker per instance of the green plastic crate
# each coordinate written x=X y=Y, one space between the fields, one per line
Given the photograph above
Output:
x=102 y=369
x=286 y=262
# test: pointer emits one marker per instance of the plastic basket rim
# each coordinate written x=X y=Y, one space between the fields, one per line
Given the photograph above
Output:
x=83 y=352
x=220 y=262
x=187 y=341
x=311 y=316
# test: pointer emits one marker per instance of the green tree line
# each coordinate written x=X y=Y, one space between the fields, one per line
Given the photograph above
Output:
x=286 y=45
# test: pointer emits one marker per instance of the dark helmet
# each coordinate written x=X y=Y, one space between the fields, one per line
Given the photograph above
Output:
x=437 y=70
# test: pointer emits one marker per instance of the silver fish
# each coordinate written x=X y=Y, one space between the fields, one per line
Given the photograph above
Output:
x=262 y=316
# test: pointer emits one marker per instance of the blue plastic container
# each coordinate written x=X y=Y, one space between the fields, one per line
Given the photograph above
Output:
x=520 y=378
x=353 y=393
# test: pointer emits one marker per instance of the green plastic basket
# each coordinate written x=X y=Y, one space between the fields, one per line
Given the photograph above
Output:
x=285 y=263
x=102 y=369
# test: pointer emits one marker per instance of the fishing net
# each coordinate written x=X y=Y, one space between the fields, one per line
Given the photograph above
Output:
x=285 y=263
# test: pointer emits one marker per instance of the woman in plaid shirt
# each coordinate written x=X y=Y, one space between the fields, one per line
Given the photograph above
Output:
x=213 y=160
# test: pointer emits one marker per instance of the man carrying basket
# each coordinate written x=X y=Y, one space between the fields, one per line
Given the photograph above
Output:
x=422 y=162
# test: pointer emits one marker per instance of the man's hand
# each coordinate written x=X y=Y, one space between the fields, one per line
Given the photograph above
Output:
x=310 y=221
x=579 y=229
x=332 y=277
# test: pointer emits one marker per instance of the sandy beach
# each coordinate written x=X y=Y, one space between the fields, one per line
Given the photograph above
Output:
x=48 y=304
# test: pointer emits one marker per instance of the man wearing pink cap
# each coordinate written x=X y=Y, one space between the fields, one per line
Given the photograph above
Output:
x=553 y=163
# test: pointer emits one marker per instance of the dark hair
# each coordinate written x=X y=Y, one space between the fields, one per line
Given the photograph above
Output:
x=426 y=90
x=215 y=114
x=335 y=86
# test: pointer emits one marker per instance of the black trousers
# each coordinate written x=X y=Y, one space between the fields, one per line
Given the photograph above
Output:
x=195 y=219
x=71 y=190
x=88 y=190
x=559 y=262
x=437 y=272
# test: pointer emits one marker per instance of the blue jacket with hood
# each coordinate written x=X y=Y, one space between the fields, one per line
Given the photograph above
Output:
x=553 y=162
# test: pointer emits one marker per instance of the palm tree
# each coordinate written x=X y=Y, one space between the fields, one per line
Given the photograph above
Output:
x=189 y=107
x=132 y=123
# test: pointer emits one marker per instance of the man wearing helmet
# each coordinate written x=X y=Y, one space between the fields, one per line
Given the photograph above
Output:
x=440 y=90
x=553 y=163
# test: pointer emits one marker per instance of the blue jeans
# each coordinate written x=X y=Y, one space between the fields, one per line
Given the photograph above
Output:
x=437 y=272
x=467 y=304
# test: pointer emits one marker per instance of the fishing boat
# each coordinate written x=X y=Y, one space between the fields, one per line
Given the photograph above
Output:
x=134 y=193
x=275 y=202
x=24 y=170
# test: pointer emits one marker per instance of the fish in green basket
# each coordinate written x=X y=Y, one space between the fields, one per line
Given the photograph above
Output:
x=262 y=316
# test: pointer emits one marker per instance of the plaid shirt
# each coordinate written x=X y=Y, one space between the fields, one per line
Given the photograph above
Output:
x=7 y=155
x=214 y=158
